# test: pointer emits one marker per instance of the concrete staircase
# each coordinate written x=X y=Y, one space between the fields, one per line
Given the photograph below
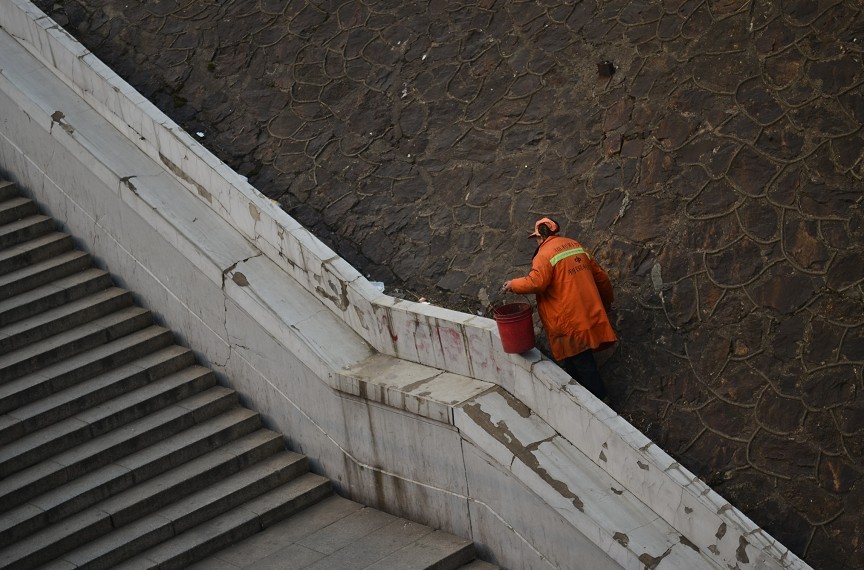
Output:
x=117 y=450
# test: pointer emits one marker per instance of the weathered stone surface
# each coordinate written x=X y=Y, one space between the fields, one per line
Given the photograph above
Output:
x=647 y=218
x=778 y=414
x=783 y=289
x=829 y=387
x=758 y=102
x=726 y=151
x=783 y=455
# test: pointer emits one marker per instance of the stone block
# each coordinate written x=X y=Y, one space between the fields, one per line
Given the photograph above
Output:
x=360 y=313
x=531 y=528
x=481 y=343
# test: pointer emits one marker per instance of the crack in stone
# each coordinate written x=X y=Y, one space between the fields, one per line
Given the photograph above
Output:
x=501 y=432
x=651 y=562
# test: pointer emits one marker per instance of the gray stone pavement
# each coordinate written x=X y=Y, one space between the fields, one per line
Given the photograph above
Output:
x=716 y=174
x=337 y=534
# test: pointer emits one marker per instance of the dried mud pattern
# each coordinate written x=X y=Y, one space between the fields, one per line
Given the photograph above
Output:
x=717 y=174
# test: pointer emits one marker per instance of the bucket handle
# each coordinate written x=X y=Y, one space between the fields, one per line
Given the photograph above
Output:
x=490 y=310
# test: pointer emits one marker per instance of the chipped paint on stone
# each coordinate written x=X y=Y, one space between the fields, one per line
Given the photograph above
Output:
x=689 y=543
x=651 y=562
x=621 y=539
x=741 y=552
x=240 y=279
x=254 y=212
x=182 y=175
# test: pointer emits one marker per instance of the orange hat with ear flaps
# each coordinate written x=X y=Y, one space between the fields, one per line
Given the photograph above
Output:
x=549 y=222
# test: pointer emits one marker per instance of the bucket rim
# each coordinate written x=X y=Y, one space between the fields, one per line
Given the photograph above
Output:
x=518 y=307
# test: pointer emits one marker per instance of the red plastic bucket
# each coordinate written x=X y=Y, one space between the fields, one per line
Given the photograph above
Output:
x=516 y=326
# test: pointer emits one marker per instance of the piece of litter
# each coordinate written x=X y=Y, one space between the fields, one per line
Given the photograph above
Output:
x=200 y=134
x=378 y=285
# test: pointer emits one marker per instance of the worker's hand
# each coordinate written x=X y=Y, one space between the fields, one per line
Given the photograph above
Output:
x=508 y=286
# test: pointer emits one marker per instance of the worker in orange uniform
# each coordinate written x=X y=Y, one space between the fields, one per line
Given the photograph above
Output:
x=573 y=296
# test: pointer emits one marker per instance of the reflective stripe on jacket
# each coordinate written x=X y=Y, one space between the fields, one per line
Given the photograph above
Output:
x=572 y=291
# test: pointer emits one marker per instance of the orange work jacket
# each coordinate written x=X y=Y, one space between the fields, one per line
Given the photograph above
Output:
x=572 y=291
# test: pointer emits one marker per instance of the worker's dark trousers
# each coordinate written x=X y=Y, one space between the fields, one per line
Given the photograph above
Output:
x=584 y=369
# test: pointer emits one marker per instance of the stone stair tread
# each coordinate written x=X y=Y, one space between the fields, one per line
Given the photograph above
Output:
x=478 y=565
x=114 y=445
x=92 y=422
x=224 y=495
x=77 y=528
x=284 y=533
x=53 y=342
x=237 y=524
x=123 y=507
x=7 y=202
x=339 y=533
x=80 y=367
x=344 y=531
x=149 y=423
x=434 y=550
x=125 y=496
x=233 y=426
x=59 y=284
x=15 y=208
x=15 y=257
x=56 y=320
x=24 y=230
x=38 y=274
x=92 y=391
x=95 y=278
x=23 y=223
x=76 y=340
x=378 y=545
x=8 y=189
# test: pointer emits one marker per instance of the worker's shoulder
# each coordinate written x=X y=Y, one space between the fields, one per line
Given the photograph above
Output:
x=559 y=244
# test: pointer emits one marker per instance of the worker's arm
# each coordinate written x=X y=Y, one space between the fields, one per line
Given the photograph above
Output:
x=536 y=281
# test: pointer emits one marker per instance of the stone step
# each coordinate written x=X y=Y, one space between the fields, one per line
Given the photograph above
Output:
x=112 y=418
x=74 y=313
x=52 y=295
x=8 y=190
x=103 y=546
x=94 y=391
x=33 y=251
x=435 y=551
x=74 y=341
x=233 y=526
x=24 y=230
x=80 y=367
x=144 y=494
x=42 y=273
x=15 y=208
x=339 y=533
x=143 y=464
x=478 y=565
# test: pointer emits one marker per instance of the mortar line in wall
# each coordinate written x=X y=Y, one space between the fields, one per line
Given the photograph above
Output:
x=467 y=484
x=356 y=461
